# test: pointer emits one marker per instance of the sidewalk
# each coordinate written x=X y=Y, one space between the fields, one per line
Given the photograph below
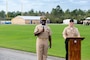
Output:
x=9 y=54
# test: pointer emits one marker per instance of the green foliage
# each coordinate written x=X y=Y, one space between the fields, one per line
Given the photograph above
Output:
x=21 y=37
x=56 y=15
x=2 y=14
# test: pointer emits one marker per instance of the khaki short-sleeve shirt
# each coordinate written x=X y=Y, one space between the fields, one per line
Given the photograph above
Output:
x=46 y=32
x=71 y=32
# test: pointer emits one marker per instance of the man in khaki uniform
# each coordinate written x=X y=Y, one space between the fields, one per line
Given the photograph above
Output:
x=43 y=33
x=70 y=31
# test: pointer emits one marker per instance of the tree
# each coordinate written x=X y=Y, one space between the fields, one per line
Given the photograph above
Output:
x=2 y=14
x=67 y=14
x=88 y=13
x=25 y=13
x=17 y=13
x=57 y=13
x=31 y=12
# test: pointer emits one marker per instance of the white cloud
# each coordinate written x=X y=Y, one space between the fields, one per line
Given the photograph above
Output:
x=83 y=2
x=71 y=0
x=79 y=1
x=43 y=5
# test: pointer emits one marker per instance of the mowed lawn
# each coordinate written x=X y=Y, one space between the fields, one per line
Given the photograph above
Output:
x=21 y=37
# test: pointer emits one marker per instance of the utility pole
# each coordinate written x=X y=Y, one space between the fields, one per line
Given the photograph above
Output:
x=6 y=9
x=21 y=8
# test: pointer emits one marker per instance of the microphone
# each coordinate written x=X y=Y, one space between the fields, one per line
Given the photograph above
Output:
x=43 y=28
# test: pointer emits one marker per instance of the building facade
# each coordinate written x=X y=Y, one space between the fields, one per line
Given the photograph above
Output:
x=26 y=20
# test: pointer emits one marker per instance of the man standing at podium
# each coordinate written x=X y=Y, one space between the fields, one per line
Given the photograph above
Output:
x=70 y=31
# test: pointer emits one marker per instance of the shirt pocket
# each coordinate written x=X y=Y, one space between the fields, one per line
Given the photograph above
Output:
x=68 y=31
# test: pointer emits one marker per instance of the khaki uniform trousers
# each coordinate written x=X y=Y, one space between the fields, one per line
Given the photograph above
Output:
x=42 y=48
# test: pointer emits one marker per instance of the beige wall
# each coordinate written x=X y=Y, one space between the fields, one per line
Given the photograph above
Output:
x=17 y=20
x=27 y=21
x=35 y=21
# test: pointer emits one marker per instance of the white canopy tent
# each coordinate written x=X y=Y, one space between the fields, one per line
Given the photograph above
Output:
x=66 y=21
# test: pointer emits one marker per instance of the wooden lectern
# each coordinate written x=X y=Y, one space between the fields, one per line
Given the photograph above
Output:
x=74 y=48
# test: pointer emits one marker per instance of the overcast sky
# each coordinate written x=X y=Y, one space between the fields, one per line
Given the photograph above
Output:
x=44 y=5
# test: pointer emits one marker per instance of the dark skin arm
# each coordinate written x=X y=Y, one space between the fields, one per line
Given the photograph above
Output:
x=50 y=41
x=37 y=34
x=43 y=22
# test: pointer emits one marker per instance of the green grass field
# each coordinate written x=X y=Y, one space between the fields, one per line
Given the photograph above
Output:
x=21 y=37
